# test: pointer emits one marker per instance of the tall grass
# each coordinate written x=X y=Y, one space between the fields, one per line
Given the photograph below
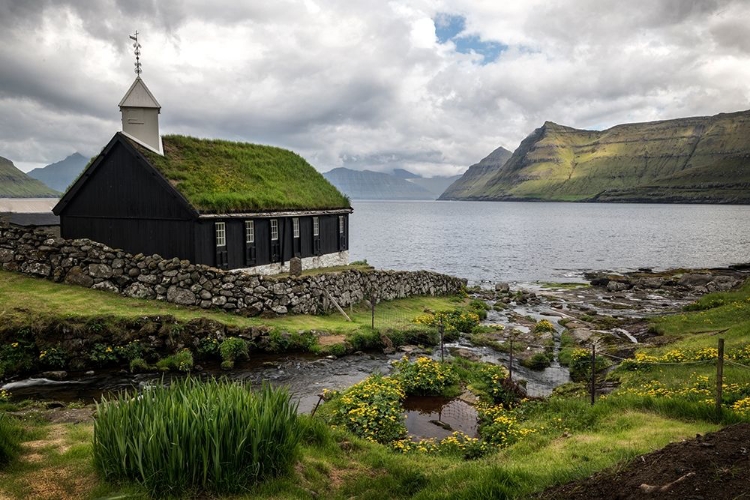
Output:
x=211 y=436
x=10 y=438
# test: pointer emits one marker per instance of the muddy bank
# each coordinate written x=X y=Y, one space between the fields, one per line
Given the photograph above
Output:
x=712 y=466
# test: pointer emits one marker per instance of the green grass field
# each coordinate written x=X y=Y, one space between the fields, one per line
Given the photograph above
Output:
x=569 y=439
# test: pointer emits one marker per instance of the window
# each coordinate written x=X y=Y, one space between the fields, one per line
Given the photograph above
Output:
x=295 y=226
x=274 y=229
x=249 y=231
x=221 y=235
x=341 y=224
x=316 y=226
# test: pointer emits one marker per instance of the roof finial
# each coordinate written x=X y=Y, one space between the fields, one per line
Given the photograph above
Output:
x=137 y=47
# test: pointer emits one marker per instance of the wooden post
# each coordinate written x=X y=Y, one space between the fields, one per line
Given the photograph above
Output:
x=372 y=307
x=442 y=347
x=719 y=377
x=510 y=364
x=593 y=373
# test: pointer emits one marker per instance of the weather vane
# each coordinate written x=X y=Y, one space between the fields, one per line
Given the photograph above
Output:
x=137 y=47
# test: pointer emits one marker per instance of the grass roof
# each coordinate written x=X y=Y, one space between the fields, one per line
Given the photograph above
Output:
x=219 y=176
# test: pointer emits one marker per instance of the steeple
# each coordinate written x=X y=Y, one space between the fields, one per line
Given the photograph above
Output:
x=140 y=109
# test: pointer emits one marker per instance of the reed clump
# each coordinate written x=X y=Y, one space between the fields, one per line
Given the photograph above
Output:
x=213 y=436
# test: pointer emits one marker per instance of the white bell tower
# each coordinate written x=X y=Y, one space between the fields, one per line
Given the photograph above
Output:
x=140 y=109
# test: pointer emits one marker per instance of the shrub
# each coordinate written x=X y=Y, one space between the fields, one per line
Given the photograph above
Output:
x=207 y=347
x=452 y=321
x=372 y=409
x=580 y=364
x=54 y=357
x=500 y=389
x=213 y=436
x=425 y=376
x=499 y=427
x=139 y=365
x=538 y=361
x=134 y=350
x=181 y=361
x=10 y=439
x=544 y=326
x=231 y=350
x=103 y=355
x=17 y=357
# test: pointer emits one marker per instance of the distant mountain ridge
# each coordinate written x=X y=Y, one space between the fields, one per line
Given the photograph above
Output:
x=368 y=185
x=686 y=160
x=477 y=175
x=61 y=174
x=16 y=184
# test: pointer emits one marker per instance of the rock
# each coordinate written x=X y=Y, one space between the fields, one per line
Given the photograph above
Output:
x=219 y=300
x=55 y=375
x=139 y=291
x=76 y=276
x=6 y=255
x=279 y=309
x=694 y=280
x=502 y=287
x=39 y=269
x=461 y=352
x=295 y=266
x=100 y=271
x=617 y=286
x=180 y=296
x=107 y=286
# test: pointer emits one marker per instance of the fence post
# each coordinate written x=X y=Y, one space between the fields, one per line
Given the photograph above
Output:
x=510 y=363
x=372 y=307
x=441 y=329
x=719 y=376
x=593 y=373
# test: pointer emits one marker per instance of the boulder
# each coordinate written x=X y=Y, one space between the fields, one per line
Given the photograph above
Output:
x=180 y=296
x=76 y=276
x=100 y=271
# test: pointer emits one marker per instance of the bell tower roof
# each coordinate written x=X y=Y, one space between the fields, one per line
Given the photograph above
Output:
x=139 y=96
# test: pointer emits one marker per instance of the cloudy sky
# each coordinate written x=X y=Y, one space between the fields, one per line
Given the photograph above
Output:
x=430 y=86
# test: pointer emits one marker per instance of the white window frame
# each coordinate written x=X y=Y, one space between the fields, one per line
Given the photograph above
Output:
x=295 y=226
x=249 y=231
x=341 y=224
x=316 y=226
x=221 y=234
x=274 y=229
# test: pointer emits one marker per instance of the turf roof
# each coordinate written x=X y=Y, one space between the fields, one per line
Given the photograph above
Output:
x=218 y=176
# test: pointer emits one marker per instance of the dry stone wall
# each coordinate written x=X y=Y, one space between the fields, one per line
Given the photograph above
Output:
x=94 y=265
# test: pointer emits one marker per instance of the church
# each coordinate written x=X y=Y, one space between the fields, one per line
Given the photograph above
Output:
x=229 y=205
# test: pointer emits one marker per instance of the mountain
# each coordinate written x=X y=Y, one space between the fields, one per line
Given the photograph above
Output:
x=687 y=160
x=368 y=185
x=404 y=174
x=476 y=176
x=60 y=175
x=435 y=185
x=16 y=184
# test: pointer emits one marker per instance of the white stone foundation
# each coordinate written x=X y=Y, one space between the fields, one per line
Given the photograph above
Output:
x=316 y=262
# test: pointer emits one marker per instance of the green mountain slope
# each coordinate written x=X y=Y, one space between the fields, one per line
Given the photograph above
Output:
x=16 y=184
x=688 y=160
x=476 y=177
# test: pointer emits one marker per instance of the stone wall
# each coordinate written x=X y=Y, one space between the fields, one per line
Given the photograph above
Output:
x=94 y=265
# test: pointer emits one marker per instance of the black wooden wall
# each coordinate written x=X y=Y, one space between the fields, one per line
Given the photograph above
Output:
x=330 y=241
x=124 y=205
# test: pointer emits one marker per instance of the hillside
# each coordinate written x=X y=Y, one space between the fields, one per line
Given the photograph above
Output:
x=476 y=177
x=16 y=184
x=687 y=160
x=368 y=185
x=61 y=174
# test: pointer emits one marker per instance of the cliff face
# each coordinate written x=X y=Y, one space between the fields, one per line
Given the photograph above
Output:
x=16 y=184
x=688 y=160
x=476 y=177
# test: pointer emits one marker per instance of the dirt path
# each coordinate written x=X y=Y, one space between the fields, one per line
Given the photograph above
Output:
x=715 y=466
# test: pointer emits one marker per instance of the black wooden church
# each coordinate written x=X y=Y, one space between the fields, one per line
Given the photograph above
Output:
x=225 y=204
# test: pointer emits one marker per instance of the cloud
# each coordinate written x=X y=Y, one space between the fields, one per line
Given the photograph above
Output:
x=428 y=86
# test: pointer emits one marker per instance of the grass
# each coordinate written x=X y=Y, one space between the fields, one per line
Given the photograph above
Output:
x=196 y=436
x=16 y=184
x=219 y=176
x=24 y=299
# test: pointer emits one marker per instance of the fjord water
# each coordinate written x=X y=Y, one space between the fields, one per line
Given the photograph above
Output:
x=527 y=241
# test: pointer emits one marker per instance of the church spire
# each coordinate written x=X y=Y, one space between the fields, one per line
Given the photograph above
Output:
x=140 y=109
